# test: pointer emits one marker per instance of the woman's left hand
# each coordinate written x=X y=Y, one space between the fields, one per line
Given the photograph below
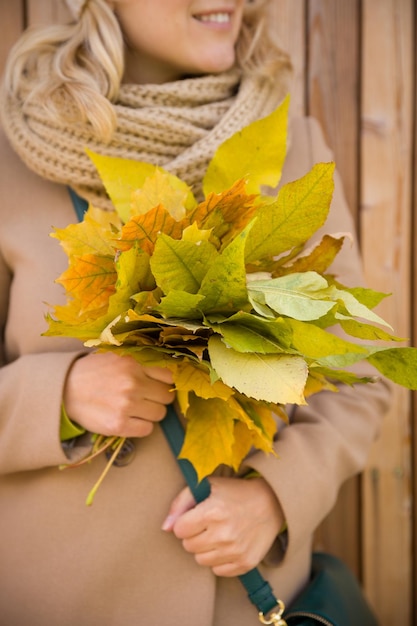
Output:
x=233 y=529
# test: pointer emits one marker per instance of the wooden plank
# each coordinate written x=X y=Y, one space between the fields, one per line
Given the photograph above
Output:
x=385 y=225
x=414 y=337
x=333 y=83
x=413 y=578
x=340 y=532
x=46 y=11
x=17 y=14
x=12 y=24
x=333 y=52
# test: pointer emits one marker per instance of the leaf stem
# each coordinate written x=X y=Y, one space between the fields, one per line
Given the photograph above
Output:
x=109 y=441
x=93 y=491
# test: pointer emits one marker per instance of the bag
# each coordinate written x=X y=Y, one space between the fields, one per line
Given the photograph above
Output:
x=333 y=597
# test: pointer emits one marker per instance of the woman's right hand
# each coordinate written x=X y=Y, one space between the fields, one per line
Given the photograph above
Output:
x=114 y=395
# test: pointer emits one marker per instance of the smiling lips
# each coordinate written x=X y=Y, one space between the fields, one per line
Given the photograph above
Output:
x=216 y=18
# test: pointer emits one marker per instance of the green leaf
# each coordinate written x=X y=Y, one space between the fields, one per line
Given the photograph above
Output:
x=256 y=154
x=133 y=276
x=300 y=209
x=273 y=378
x=354 y=307
x=224 y=284
x=364 y=295
x=366 y=331
x=244 y=339
x=180 y=304
x=276 y=329
x=338 y=361
x=246 y=332
x=181 y=265
x=397 y=364
x=315 y=343
x=341 y=376
x=302 y=296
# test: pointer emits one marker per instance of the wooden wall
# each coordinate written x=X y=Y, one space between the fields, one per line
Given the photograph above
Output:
x=355 y=70
x=355 y=63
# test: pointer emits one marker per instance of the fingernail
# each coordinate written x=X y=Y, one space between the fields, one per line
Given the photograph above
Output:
x=168 y=523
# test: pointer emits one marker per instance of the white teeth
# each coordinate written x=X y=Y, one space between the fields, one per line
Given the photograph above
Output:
x=219 y=18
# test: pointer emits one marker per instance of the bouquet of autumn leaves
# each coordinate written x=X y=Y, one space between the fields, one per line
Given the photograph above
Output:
x=223 y=292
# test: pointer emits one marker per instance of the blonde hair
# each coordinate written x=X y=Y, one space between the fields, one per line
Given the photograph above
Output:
x=76 y=69
x=256 y=52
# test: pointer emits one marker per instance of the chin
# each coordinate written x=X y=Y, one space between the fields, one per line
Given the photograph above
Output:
x=219 y=66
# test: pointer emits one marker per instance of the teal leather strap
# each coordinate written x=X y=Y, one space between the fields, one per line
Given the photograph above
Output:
x=174 y=433
x=258 y=589
x=80 y=205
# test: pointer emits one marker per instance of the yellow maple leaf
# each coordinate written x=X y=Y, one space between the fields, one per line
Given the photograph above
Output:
x=122 y=177
x=158 y=189
x=192 y=378
x=317 y=382
x=243 y=442
x=93 y=235
x=256 y=152
x=209 y=436
x=258 y=421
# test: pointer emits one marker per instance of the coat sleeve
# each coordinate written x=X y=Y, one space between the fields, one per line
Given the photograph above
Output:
x=31 y=390
x=31 y=382
x=329 y=439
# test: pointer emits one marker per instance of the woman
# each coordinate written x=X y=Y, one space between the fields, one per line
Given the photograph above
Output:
x=164 y=82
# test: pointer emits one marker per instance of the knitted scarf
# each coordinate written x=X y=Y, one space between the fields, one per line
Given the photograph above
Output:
x=176 y=125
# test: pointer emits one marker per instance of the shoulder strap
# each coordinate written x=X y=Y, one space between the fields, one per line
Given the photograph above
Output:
x=80 y=205
x=258 y=589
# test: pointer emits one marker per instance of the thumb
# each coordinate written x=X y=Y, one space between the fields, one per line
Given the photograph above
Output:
x=182 y=503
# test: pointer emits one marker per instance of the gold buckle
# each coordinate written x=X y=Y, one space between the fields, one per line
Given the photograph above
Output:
x=276 y=617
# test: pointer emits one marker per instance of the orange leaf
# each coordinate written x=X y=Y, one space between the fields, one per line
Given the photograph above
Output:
x=144 y=229
x=318 y=259
x=90 y=280
x=226 y=213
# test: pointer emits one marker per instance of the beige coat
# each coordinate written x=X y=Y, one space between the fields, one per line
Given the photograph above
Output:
x=64 y=564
